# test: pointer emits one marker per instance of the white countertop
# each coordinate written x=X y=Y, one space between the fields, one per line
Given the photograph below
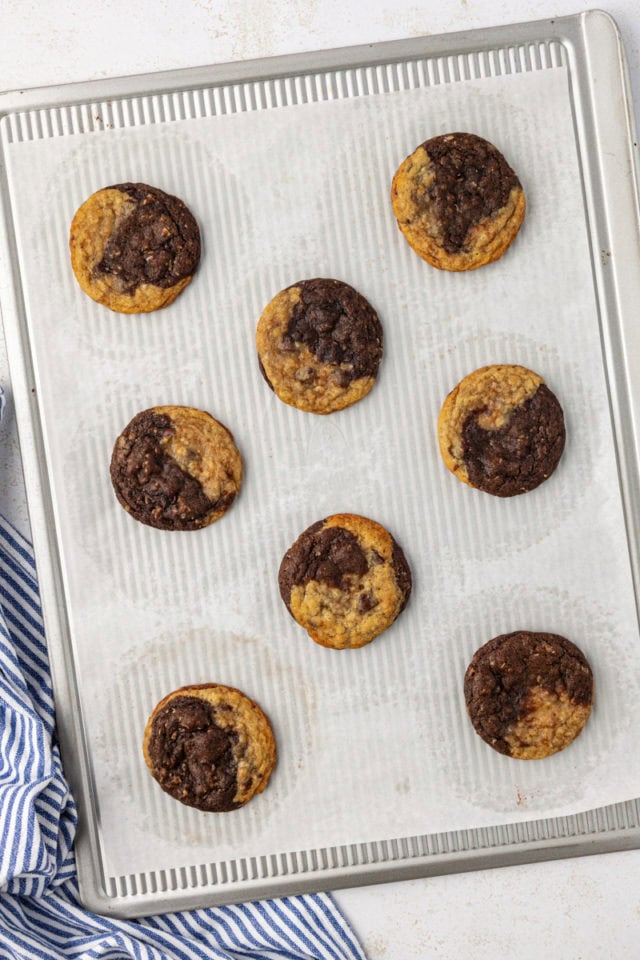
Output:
x=576 y=909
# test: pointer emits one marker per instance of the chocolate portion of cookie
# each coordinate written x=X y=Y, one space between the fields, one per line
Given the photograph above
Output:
x=209 y=746
x=472 y=181
x=325 y=554
x=523 y=686
x=264 y=375
x=522 y=453
x=192 y=757
x=402 y=573
x=150 y=484
x=157 y=243
x=338 y=325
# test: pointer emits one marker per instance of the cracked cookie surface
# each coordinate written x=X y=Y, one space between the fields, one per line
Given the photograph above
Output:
x=319 y=345
x=176 y=468
x=501 y=430
x=210 y=747
x=528 y=695
x=457 y=201
x=345 y=580
x=133 y=247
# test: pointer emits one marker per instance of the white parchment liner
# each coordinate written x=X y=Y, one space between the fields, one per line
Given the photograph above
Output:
x=373 y=743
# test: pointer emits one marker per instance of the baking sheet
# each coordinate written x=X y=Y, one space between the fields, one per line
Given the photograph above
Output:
x=373 y=743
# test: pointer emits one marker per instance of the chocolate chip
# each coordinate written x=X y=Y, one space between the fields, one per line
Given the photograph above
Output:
x=366 y=602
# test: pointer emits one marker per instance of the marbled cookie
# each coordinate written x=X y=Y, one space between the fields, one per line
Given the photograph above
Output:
x=176 y=468
x=528 y=695
x=345 y=580
x=457 y=201
x=133 y=247
x=210 y=747
x=319 y=345
x=501 y=430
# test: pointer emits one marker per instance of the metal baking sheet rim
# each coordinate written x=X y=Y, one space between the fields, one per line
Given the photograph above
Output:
x=605 y=131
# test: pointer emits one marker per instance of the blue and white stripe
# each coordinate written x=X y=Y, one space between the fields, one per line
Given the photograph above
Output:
x=40 y=915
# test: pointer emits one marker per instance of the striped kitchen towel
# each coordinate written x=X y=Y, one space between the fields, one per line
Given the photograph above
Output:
x=40 y=915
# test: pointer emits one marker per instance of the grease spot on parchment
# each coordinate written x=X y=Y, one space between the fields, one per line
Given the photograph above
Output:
x=474 y=772
x=184 y=657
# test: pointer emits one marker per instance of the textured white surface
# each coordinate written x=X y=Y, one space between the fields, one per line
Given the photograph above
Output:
x=580 y=910
x=585 y=909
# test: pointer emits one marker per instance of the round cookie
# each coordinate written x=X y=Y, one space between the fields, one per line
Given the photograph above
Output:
x=319 y=345
x=133 y=247
x=176 y=468
x=457 y=201
x=345 y=580
x=501 y=430
x=209 y=747
x=528 y=695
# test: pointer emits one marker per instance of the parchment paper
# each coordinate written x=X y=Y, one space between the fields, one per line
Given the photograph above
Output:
x=373 y=743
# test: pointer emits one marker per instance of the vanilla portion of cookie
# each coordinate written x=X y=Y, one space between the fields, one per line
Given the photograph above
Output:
x=345 y=580
x=319 y=344
x=205 y=449
x=210 y=746
x=549 y=722
x=457 y=201
x=339 y=616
